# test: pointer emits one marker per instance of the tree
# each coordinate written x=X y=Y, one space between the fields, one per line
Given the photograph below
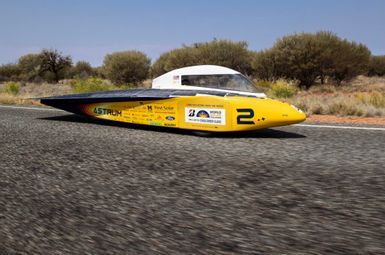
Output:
x=351 y=59
x=377 y=66
x=297 y=57
x=328 y=44
x=174 y=59
x=263 y=65
x=227 y=53
x=30 y=67
x=126 y=67
x=55 y=63
x=307 y=57
x=82 y=69
x=9 y=72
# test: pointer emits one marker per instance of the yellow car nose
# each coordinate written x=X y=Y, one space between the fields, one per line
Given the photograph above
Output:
x=284 y=114
x=291 y=115
x=297 y=115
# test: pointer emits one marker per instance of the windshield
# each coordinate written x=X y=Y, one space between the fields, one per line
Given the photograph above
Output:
x=220 y=81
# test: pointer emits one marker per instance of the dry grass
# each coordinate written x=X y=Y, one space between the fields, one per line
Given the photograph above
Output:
x=29 y=93
x=338 y=104
x=364 y=96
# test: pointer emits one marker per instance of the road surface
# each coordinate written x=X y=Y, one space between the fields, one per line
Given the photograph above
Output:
x=71 y=185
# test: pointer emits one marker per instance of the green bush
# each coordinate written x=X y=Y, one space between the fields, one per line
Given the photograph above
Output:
x=226 y=53
x=99 y=72
x=82 y=70
x=91 y=84
x=9 y=72
x=263 y=84
x=263 y=65
x=282 y=89
x=30 y=67
x=351 y=59
x=174 y=59
x=308 y=57
x=234 y=55
x=377 y=66
x=12 y=88
x=126 y=67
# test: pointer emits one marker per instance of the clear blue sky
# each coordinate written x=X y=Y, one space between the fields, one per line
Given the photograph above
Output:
x=89 y=29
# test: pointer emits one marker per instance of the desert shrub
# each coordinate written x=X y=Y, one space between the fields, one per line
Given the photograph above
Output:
x=351 y=59
x=126 y=67
x=360 y=104
x=30 y=67
x=308 y=57
x=160 y=67
x=177 y=58
x=91 y=84
x=296 y=57
x=375 y=99
x=12 y=88
x=263 y=83
x=344 y=108
x=317 y=108
x=263 y=65
x=323 y=89
x=372 y=111
x=377 y=66
x=54 y=64
x=301 y=103
x=9 y=72
x=82 y=70
x=99 y=72
x=282 y=89
x=226 y=53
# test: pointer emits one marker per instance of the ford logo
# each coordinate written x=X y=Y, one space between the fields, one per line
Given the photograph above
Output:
x=170 y=118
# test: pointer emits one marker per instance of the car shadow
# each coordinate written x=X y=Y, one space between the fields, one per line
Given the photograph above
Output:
x=263 y=133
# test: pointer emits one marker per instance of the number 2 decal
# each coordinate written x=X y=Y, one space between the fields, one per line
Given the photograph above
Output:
x=246 y=117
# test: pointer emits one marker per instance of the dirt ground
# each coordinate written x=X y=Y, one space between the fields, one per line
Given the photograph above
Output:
x=347 y=119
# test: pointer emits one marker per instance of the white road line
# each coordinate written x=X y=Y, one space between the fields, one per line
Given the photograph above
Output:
x=340 y=127
x=30 y=108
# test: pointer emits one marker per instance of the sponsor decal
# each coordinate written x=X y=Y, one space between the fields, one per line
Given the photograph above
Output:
x=106 y=111
x=170 y=118
x=175 y=78
x=191 y=113
x=161 y=108
x=205 y=116
x=155 y=123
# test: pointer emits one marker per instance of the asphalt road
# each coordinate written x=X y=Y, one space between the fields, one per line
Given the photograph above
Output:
x=71 y=185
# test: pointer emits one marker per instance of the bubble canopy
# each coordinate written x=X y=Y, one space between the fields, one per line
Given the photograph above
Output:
x=207 y=77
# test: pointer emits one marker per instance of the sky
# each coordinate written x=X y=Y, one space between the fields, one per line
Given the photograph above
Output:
x=90 y=29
